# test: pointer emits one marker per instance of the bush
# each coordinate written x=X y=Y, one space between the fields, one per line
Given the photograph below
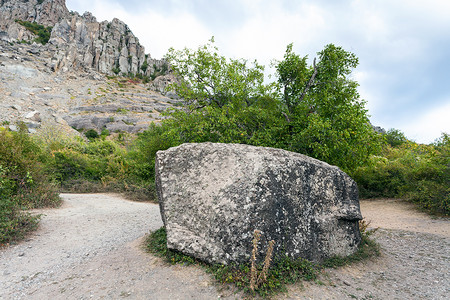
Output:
x=23 y=184
x=91 y=134
x=100 y=165
x=41 y=31
x=395 y=137
x=21 y=161
x=14 y=224
x=419 y=173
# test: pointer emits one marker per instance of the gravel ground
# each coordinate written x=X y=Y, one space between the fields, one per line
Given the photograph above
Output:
x=91 y=248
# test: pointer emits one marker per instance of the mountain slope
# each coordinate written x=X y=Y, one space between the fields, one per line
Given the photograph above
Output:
x=63 y=83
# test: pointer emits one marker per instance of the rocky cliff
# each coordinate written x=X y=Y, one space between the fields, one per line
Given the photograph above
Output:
x=77 y=41
x=59 y=80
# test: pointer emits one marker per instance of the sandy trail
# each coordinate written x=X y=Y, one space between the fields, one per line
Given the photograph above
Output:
x=90 y=248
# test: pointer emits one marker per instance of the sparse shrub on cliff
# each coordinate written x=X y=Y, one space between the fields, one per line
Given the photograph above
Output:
x=41 y=31
x=144 y=65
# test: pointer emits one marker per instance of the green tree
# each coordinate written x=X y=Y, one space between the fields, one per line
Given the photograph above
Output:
x=226 y=99
x=208 y=79
x=395 y=137
x=326 y=117
x=316 y=109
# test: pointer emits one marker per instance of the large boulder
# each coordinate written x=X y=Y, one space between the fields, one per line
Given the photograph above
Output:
x=213 y=196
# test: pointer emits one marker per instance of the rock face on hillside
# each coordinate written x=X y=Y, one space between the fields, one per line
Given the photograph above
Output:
x=31 y=92
x=78 y=42
x=62 y=84
x=46 y=13
x=213 y=196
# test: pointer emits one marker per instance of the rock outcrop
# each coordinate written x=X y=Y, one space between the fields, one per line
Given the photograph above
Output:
x=78 y=42
x=213 y=196
x=32 y=93
x=59 y=80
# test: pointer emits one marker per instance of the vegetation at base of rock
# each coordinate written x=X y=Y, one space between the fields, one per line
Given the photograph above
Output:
x=41 y=31
x=404 y=169
x=368 y=248
x=282 y=271
x=23 y=184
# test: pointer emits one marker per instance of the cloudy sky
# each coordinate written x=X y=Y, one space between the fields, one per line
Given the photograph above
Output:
x=403 y=45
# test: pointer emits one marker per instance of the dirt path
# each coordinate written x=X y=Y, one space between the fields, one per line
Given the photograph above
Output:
x=90 y=248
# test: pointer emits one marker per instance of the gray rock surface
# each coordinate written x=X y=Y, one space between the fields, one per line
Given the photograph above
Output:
x=213 y=196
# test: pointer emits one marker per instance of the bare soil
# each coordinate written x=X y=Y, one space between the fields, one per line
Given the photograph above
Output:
x=91 y=248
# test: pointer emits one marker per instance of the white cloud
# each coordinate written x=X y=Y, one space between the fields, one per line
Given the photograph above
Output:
x=160 y=33
x=428 y=127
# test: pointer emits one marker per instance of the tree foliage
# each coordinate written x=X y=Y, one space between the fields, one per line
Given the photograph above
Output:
x=327 y=118
x=315 y=110
x=208 y=79
x=226 y=99
x=420 y=173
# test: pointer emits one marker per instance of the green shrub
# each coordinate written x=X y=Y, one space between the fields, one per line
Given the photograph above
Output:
x=420 y=173
x=144 y=66
x=23 y=184
x=395 y=137
x=104 y=133
x=22 y=160
x=14 y=223
x=91 y=134
x=101 y=165
x=41 y=31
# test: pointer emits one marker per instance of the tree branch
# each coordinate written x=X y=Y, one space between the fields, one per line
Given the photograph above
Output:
x=287 y=117
x=310 y=82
